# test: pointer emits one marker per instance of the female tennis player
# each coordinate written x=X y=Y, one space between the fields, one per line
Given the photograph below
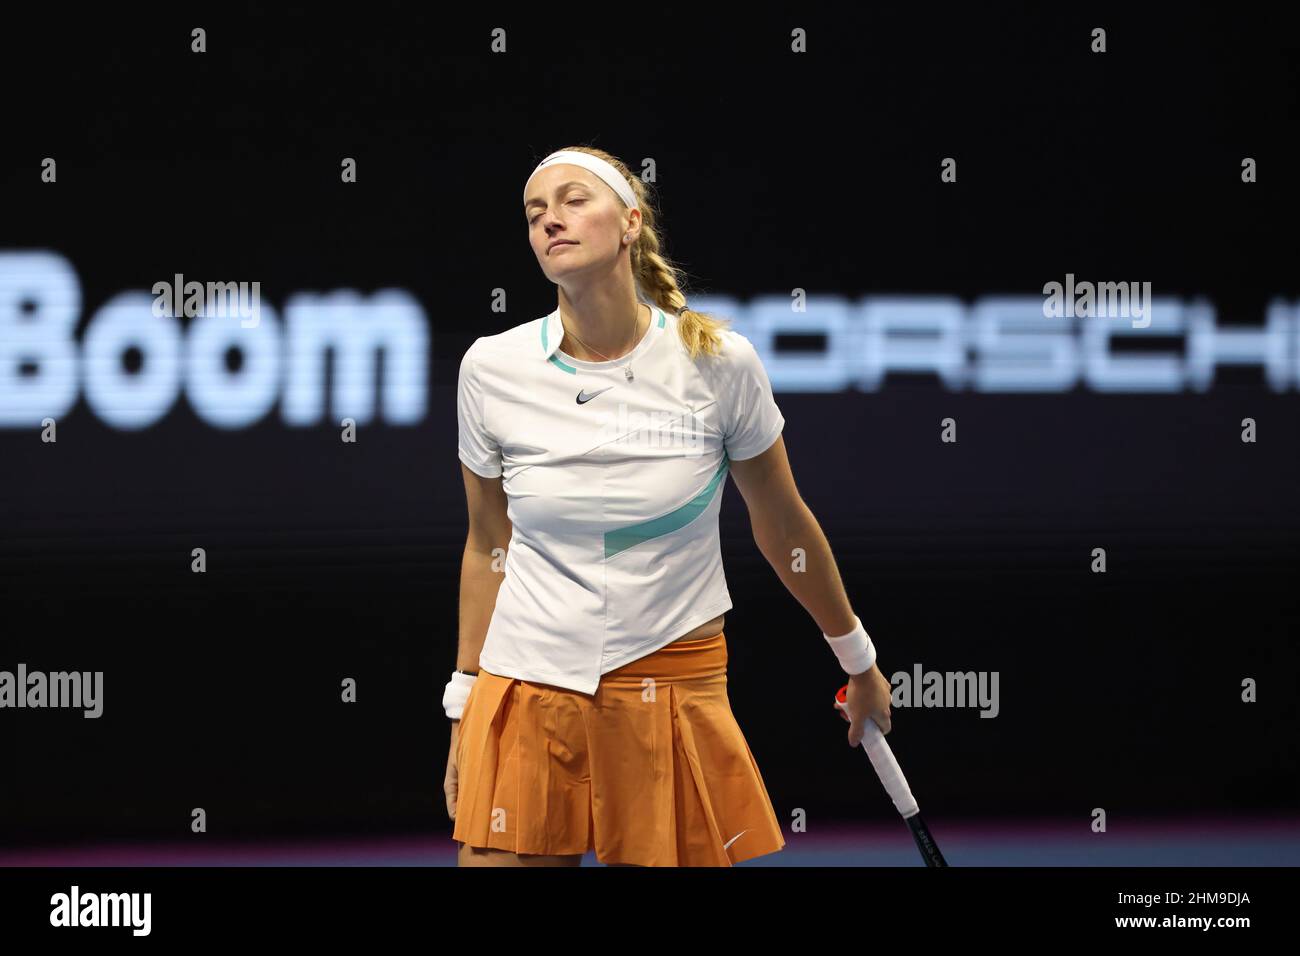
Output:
x=589 y=706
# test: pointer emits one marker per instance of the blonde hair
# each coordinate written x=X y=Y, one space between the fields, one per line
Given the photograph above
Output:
x=657 y=276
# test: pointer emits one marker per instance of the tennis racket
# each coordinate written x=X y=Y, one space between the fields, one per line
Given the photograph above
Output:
x=887 y=769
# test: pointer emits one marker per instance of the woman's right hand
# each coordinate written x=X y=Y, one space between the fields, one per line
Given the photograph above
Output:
x=451 y=784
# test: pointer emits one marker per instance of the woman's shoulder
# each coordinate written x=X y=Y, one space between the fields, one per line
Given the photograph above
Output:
x=508 y=343
x=735 y=355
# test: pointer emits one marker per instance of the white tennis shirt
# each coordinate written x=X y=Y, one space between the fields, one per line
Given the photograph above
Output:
x=613 y=488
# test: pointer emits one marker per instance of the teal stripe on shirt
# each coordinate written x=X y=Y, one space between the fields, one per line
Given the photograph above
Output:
x=620 y=539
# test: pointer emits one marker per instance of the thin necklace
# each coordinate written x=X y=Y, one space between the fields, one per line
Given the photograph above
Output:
x=627 y=369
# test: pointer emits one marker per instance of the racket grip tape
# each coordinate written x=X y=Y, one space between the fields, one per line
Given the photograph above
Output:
x=891 y=775
x=883 y=760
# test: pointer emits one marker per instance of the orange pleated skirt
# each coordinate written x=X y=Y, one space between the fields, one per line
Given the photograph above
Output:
x=652 y=769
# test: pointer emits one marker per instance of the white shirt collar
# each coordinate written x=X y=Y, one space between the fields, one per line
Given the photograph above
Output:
x=552 y=334
x=553 y=330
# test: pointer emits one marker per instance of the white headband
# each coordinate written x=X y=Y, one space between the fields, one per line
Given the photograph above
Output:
x=595 y=164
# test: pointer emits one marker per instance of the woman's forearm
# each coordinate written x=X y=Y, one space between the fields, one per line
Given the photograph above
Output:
x=481 y=574
x=801 y=556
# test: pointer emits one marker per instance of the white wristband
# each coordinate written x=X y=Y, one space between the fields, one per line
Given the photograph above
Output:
x=456 y=693
x=855 y=651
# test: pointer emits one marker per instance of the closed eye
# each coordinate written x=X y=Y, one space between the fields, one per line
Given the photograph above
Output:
x=535 y=218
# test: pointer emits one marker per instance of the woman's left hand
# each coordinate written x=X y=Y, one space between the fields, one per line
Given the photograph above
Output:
x=867 y=698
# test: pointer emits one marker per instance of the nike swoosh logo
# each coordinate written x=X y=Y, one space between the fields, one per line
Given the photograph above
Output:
x=735 y=838
x=584 y=396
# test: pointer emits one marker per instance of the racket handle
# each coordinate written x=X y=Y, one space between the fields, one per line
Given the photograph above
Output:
x=883 y=760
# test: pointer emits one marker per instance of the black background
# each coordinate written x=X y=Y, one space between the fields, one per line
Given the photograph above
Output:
x=820 y=171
